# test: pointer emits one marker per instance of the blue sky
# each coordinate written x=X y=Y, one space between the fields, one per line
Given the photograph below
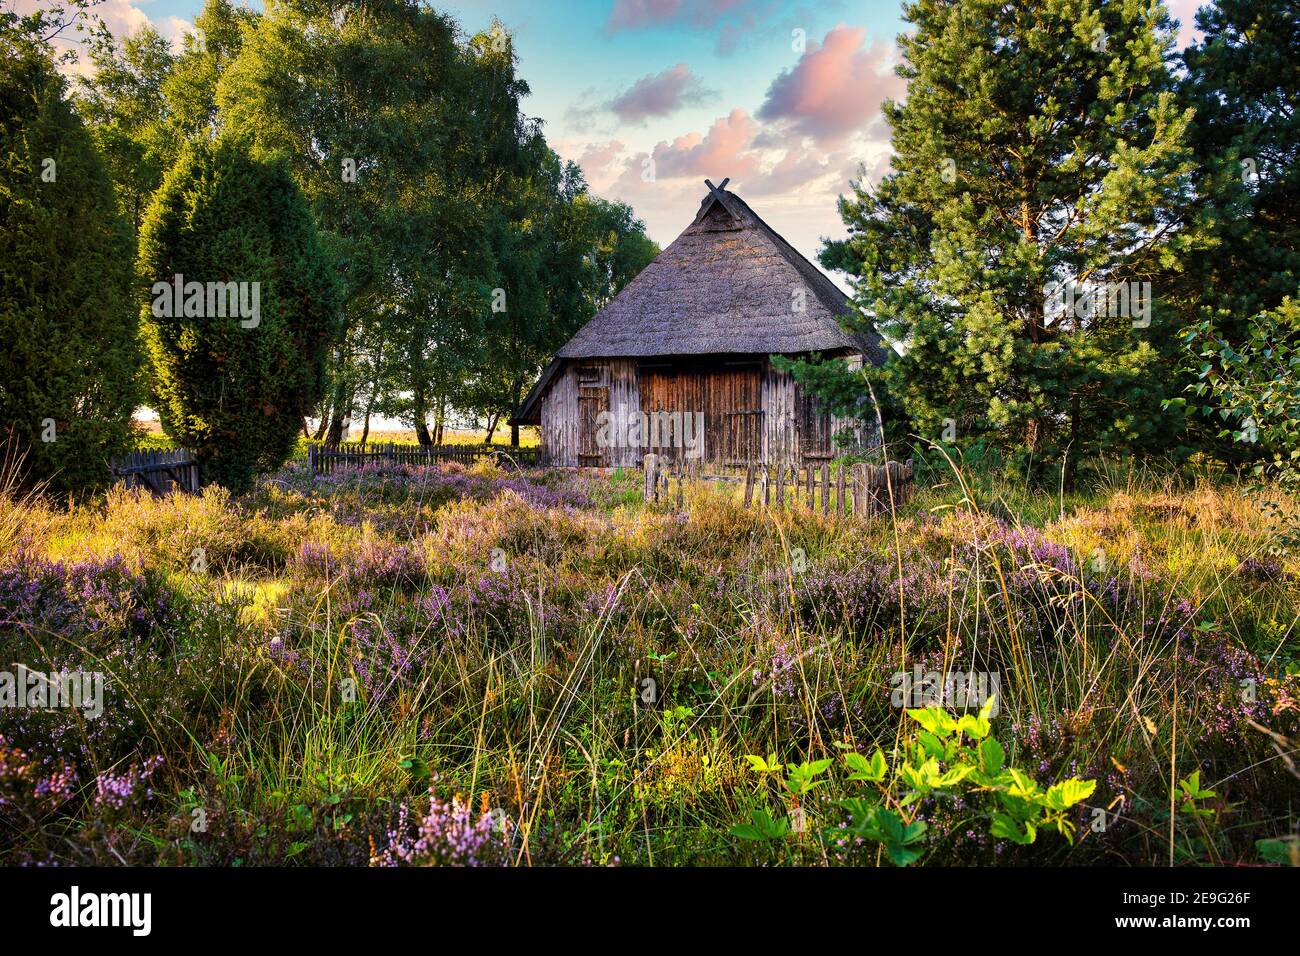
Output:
x=782 y=96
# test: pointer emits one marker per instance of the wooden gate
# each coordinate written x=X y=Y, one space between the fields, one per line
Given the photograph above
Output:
x=592 y=401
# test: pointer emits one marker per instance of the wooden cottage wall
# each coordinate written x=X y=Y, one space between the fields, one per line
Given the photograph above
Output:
x=726 y=394
x=793 y=428
x=559 y=414
x=562 y=410
x=797 y=430
x=780 y=413
x=624 y=395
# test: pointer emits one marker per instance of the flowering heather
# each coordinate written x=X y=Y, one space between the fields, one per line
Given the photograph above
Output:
x=451 y=833
x=868 y=593
x=500 y=625
x=89 y=615
x=30 y=790
x=117 y=791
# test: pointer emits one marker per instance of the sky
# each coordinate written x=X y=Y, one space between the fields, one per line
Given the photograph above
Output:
x=781 y=96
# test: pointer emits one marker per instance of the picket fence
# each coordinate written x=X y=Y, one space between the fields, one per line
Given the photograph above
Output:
x=162 y=472
x=326 y=459
x=858 y=489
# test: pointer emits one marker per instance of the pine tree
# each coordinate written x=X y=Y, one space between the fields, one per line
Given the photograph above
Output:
x=1040 y=146
x=231 y=385
x=1243 y=78
x=69 y=357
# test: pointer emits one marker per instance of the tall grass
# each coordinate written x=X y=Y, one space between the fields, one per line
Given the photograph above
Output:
x=451 y=666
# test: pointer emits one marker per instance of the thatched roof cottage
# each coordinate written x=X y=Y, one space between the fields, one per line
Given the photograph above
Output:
x=679 y=362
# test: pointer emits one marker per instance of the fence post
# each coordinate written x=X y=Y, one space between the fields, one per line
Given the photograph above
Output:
x=649 y=463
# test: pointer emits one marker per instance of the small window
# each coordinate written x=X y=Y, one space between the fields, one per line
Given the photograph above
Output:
x=589 y=375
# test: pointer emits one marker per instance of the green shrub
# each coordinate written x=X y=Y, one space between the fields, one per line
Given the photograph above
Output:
x=69 y=362
x=233 y=384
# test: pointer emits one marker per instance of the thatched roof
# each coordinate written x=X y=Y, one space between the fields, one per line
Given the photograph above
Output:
x=729 y=284
x=725 y=285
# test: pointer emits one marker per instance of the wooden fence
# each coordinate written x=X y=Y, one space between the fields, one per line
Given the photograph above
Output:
x=162 y=472
x=326 y=459
x=859 y=489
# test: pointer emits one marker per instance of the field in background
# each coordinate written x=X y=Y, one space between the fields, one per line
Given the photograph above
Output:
x=481 y=666
x=152 y=438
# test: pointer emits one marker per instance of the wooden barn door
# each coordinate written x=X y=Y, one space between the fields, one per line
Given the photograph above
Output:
x=814 y=424
x=665 y=388
x=734 y=415
x=728 y=396
x=592 y=401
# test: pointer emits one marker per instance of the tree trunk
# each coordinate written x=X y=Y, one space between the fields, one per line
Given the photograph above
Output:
x=419 y=411
x=514 y=427
x=324 y=421
x=342 y=413
x=440 y=420
x=492 y=427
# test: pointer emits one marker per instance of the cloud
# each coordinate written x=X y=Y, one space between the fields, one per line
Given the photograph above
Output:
x=836 y=88
x=1184 y=11
x=598 y=159
x=659 y=95
x=632 y=14
x=722 y=151
x=646 y=14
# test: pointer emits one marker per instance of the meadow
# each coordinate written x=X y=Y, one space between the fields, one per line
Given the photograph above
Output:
x=400 y=666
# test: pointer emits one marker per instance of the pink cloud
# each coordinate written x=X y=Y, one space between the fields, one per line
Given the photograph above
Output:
x=631 y=14
x=598 y=159
x=722 y=151
x=1184 y=11
x=638 y=14
x=837 y=86
x=658 y=95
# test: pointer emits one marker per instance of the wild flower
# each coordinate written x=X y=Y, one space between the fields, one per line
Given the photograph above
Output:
x=451 y=833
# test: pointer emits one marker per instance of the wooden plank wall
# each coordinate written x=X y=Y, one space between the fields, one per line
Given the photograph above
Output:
x=751 y=412
x=729 y=396
x=561 y=417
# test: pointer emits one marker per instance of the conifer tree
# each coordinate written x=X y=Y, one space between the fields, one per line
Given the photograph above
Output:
x=1041 y=158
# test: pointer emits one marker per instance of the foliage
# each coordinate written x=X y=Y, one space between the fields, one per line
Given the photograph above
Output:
x=235 y=388
x=1039 y=144
x=945 y=755
x=1242 y=80
x=69 y=362
x=1250 y=388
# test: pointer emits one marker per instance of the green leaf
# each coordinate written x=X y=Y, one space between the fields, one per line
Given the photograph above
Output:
x=759 y=765
x=761 y=826
x=992 y=756
x=1007 y=828
x=1067 y=793
x=976 y=727
x=871 y=771
x=934 y=719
